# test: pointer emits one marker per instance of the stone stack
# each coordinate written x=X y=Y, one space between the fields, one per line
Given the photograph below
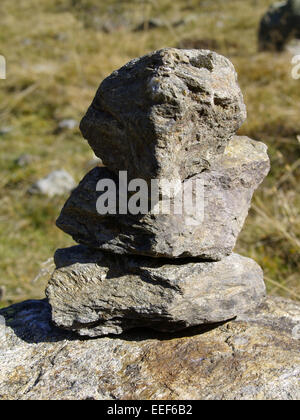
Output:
x=170 y=115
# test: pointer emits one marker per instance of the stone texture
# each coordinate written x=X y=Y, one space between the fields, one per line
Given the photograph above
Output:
x=279 y=25
x=228 y=189
x=253 y=358
x=96 y=294
x=165 y=115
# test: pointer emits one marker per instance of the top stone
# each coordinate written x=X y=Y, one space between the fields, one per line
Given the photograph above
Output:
x=165 y=115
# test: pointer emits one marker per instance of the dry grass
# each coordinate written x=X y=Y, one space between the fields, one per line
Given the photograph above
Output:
x=57 y=53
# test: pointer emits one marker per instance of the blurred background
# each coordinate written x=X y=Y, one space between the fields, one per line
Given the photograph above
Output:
x=58 y=52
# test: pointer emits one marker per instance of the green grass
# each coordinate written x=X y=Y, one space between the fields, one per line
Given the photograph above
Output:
x=57 y=54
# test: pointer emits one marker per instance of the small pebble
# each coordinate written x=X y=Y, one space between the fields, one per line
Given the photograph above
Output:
x=68 y=124
x=56 y=183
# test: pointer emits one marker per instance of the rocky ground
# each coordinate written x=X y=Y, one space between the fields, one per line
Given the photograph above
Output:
x=254 y=357
x=56 y=58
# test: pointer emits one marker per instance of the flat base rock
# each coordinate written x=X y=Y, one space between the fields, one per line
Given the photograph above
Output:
x=96 y=294
x=253 y=358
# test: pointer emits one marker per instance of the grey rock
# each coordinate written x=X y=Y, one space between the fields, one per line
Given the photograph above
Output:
x=108 y=26
x=5 y=130
x=108 y=23
x=151 y=24
x=27 y=42
x=155 y=23
x=228 y=189
x=96 y=294
x=187 y=20
x=165 y=115
x=254 y=358
x=58 y=182
x=279 y=25
x=61 y=36
x=24 y=160
x=67 y=124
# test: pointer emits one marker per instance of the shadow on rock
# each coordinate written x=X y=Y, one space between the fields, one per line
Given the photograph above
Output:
x=31 y=322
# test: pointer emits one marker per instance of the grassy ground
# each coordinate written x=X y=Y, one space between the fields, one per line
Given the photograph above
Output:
x=57 y=53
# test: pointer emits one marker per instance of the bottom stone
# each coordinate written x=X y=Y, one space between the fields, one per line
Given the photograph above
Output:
x=96 y=294
x=255 y=357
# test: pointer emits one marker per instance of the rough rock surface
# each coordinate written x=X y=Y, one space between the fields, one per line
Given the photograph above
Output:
x=165 y=115
x=256 y=357
x=57 y=183
x=228 y=189
x=96 y=294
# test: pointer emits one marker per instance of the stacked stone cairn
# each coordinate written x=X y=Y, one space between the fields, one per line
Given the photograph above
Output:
x=170 y=115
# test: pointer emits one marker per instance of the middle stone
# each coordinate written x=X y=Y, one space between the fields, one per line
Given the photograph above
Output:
x=227 y=191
